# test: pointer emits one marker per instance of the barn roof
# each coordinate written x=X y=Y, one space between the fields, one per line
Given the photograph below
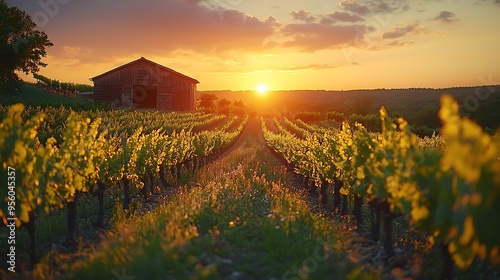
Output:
x=149 y=61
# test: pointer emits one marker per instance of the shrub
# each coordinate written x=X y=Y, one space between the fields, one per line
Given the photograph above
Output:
x=335 y=116
x=308 y=117
x=370 y=122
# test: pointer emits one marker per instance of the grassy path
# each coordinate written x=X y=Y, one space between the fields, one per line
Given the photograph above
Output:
x=237 y=221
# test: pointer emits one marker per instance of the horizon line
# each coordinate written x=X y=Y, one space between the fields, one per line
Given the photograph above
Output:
x=360 y=89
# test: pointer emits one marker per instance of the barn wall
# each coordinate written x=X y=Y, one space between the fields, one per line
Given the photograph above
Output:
x=108 y=93
x=192 y=96
x=174 y=92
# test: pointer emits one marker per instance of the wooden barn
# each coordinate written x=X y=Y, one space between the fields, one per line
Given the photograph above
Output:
x=145 y=84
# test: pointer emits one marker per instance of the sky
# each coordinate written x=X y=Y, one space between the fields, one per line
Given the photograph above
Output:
x=283 y=44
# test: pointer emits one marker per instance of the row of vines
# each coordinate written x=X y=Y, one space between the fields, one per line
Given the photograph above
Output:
x=97 y=153
x=449 y=190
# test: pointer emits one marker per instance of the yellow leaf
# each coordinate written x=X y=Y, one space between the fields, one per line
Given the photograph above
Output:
x=468 y=232
x=419 y=213
x=449 y=107
x=431 y=240
x=344 y=191
x=360 y=174
x=24 y=215
x=463 y=261
x=470 y=130
x=452 y=247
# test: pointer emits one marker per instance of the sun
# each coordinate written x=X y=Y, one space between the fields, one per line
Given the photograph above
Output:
x=262 y=89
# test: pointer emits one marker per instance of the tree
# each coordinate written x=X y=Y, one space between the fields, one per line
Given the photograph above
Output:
x=22 y=47
x=239 y=103
x=207 y=101
x=224 y=105
x=362 y=104
x=55 y=85
x=239 y=108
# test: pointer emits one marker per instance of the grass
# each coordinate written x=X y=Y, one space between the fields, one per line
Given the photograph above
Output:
x=31 y=95
x=51 y=229
x=239 y=220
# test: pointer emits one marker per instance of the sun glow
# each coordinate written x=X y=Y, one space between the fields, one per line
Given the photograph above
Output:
x=262 y=89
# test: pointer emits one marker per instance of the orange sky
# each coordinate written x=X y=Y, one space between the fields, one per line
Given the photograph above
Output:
x=284 y=44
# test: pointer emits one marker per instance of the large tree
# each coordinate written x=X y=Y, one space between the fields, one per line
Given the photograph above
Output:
x=22 y=46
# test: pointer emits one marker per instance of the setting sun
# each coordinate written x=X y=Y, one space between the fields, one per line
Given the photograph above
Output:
x=262 y=89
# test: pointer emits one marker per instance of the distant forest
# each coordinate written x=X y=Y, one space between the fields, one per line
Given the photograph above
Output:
x=417 y=105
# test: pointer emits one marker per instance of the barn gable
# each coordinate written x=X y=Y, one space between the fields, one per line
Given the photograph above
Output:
x=146 y=84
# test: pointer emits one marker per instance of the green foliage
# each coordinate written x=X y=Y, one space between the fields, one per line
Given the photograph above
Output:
x=62 y=87
x=237 y=218
x=464 y=191
x=423 y=130
x=55 y=170
x=19 y=160
x=486 y=114
x=371 y=122
x=428 y=116
x=223 y=106
x=207 y=102
x=35 y=97
x=335 y=116
x=308 y=117
x=448 y=186
x=22 y=47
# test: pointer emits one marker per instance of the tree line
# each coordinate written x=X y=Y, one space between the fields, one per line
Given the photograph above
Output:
x=210 y=103
x=62 y=87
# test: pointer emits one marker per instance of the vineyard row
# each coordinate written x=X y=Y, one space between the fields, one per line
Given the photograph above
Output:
x=449 y=193
x=90 y=159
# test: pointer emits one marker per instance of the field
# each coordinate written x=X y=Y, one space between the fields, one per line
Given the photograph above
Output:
x=210 y=196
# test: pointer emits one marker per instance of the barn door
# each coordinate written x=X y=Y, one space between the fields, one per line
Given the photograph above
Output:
x=127 y=95
x=165 y=101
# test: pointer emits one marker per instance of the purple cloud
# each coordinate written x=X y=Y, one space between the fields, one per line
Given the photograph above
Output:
x=412 y=28
x=342 y=16
x=316 y=36
x=447 y=17
x=354 y=7
x=303 y=15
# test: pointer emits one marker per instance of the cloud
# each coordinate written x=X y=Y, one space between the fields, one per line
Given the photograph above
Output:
x=397 y=43
x=248 y=69
x=496 y=2
x=316 y=36
x=310 y=67
x=341 y=16
x=372 y=7
x=101 y=31
x=73 y=53
x=113 y=29
x=447 y=17
x=382 y=7
x=390 y=45
x=409 y=29
x=303 y=15
x=354 y=7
